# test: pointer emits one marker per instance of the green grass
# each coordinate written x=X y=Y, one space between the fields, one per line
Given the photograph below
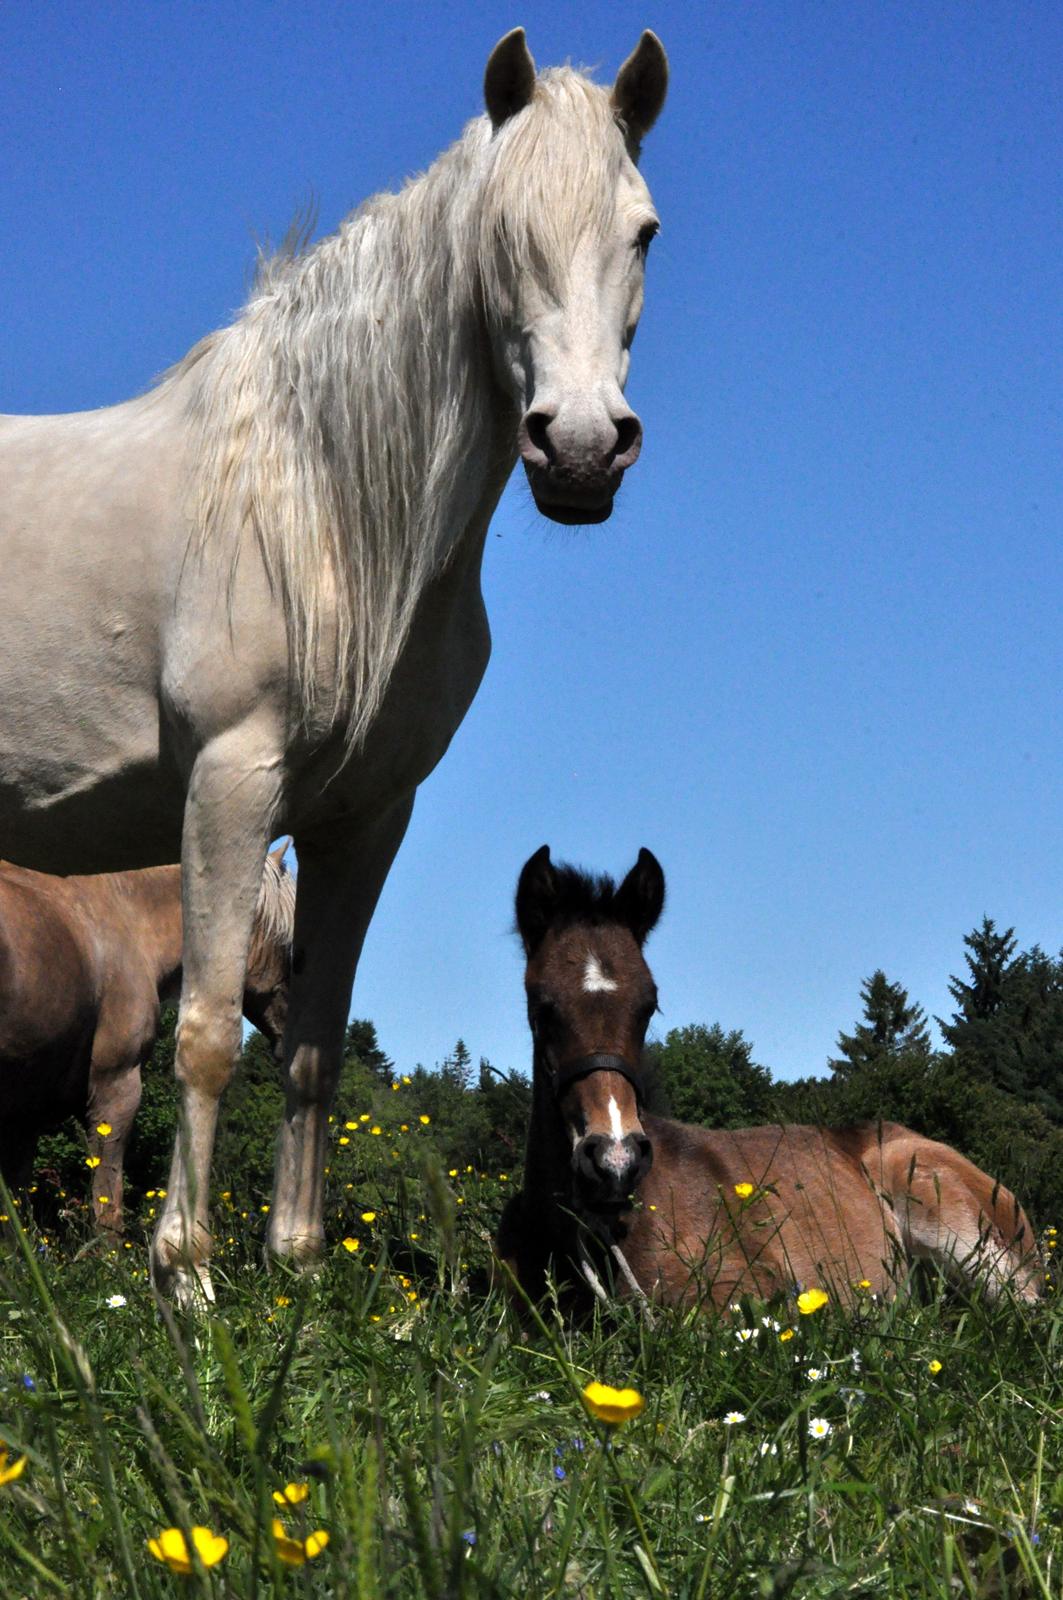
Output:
x=448 y=1452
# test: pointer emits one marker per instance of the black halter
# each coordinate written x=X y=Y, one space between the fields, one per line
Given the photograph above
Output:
x=571 y=1072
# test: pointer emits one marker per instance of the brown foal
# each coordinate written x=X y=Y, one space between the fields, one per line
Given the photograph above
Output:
x=85 y=965
x=685 y=1214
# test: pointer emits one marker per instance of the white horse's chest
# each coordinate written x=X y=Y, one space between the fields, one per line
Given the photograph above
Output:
x=430 y=690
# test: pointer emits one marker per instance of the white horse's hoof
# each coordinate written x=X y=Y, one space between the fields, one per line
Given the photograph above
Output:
x=189 y=1288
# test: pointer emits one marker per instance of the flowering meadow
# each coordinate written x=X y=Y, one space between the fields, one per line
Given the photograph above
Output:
x=390 y=1426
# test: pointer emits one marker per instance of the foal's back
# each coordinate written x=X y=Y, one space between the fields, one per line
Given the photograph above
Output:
x=772 y=1209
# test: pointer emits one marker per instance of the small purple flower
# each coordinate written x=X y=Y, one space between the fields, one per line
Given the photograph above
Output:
x=577 y=1444
x=559 y=1474
x=469 y=1537
x=27 y=1382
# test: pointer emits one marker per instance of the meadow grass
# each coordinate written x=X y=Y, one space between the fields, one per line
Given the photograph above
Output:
x=447 y=1451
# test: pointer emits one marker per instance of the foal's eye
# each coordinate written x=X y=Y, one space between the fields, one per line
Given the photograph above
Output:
x=646 y=233
x=543 y=1015
x=646 y=1013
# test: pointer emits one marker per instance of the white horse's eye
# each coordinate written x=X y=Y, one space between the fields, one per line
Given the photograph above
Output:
x=646 y=234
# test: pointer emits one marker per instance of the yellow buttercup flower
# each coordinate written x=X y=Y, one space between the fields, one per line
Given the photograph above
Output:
x=295 y=1552
x=103 y=1129
x=171 y=1547
x=92 y=1161
x=743 y=1190
x=368 y=1216
x=8 y=1474
x=612 y=1405
x=293 y=1494
x=425 y=1119
x=934 y=1366
x=375 y=1129
x=812 y=1300
x=787 y=1333
x=352 y=1245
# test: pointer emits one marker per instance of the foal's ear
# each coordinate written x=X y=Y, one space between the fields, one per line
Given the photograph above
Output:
x=640 y=87
x=278 y=854
x=640 y=898
x=536 y=898
x=509 y=78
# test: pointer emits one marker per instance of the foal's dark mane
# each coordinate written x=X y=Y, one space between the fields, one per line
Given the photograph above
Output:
x=582 y=897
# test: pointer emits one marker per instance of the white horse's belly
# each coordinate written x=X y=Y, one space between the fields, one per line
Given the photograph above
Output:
x=87 y=526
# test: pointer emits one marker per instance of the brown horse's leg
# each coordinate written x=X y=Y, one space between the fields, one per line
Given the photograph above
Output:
x=114 y=1097
x=339 y=882
x=18 y=1148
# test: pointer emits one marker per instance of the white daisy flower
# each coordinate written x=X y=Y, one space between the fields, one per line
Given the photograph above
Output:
x=116 y=1301
x=733 y=1418
x=815 y=1374
x=745 y=1334
x=818 y=1428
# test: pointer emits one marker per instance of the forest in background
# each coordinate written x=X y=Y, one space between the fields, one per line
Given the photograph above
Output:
x=994 y=1091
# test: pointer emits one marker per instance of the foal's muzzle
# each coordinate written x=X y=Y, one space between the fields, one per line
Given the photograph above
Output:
x=608 y=1171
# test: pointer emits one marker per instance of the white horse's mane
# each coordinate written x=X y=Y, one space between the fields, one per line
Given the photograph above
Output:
x=339 y=416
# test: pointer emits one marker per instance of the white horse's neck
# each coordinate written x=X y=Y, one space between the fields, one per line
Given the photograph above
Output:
x=350 y=420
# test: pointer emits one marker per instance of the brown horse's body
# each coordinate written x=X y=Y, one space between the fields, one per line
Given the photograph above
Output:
x=85 y=965
x=849 y=1210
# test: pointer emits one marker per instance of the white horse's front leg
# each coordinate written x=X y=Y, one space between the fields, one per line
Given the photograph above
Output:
x=231 y=803
x=339 y=883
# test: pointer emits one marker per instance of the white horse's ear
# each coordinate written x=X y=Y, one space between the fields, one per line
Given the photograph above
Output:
x=509 y=77
x=640 y=87
x=280 y=851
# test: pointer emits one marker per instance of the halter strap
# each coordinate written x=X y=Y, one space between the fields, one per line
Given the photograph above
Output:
x=571 y=1072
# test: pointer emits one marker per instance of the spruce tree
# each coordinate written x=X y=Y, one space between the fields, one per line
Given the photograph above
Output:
x=1008 y=1025
x=893 y=1029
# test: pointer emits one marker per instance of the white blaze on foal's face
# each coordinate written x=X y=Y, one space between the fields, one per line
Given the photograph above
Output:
x=595 y=980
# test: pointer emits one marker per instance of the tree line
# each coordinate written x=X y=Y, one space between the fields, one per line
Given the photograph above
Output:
x=994 y=1089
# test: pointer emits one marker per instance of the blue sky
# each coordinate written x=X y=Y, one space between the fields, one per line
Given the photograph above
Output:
x=813 y=661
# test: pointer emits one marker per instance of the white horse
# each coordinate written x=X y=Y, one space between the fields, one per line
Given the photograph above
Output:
x=248 y=602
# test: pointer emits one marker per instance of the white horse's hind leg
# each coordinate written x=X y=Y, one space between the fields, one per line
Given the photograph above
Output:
x=338 y=886
x=231 y=802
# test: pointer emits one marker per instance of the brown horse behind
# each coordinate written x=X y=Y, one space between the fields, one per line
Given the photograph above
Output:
x=699 y=1214
x=85 y=965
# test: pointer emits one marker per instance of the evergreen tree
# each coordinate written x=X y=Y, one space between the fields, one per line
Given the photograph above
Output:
x=1008 y=1025
x=990 y=964
x=362 y=1043
x=893 y=1027
x=457 y=1067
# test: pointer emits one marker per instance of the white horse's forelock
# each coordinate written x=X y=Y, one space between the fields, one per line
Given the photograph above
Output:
x=361 y=356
